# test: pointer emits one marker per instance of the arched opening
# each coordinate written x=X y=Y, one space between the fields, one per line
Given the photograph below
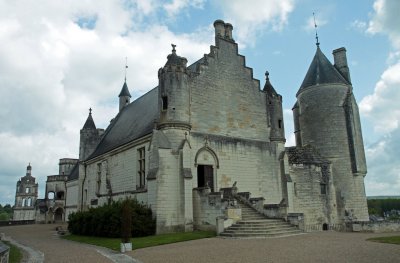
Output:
x=29 y=202
x=27 y=190
x=58 y=214
x=325 y=227
x=207 y=163
x=50 y=195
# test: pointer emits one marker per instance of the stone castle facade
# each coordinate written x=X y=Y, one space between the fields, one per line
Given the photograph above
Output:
x=210 y=125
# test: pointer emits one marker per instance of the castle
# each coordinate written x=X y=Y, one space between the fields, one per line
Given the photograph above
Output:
x=209 y=125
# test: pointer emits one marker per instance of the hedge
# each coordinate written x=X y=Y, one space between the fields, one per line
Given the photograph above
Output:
x=105 y=221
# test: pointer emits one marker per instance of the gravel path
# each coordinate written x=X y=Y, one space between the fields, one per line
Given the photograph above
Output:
x=44 y=242
x=312 y=247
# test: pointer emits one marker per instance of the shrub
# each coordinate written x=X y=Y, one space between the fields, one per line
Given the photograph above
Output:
x=106 y=220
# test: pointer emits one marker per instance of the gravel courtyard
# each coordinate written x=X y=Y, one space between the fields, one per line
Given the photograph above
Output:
x=311 y=247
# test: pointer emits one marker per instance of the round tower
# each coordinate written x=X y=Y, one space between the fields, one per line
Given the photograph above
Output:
x=326 y=117
x=174 y=93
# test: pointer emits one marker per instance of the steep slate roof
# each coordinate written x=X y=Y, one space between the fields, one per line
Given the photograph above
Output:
x=89 y=124
x=74 y=173
x=321 y=71
x=124 y=91
x=304 y=155
x=133 y=122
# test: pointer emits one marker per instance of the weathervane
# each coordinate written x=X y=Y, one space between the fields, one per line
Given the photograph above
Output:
x=316 y=32
x=126 y=66
x=90 y=111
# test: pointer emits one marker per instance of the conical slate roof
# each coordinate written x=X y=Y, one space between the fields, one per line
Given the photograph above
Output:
x=321 y=71
x=124 y=91
x=268 y=86
x=89 y=124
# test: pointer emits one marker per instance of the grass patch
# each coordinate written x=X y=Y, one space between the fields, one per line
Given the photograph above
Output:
x=141 y=242
x=390 y=240
x=15 y=253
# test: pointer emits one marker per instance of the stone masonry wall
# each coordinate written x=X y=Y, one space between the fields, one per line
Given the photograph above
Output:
x=226 y=100
x=323 y=125
x=120 y=170
x=305 y=197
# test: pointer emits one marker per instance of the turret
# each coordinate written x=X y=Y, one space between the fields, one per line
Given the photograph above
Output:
x=124 y=96
x=275 y=113
x=326 y=117
x=174 y=93
x=29 y=170
x=89 y=138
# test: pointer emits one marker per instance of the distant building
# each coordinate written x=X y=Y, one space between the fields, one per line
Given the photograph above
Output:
x=25 y=197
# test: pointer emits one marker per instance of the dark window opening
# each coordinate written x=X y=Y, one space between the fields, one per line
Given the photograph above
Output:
x=141 y=179
x=60 y=195
x=205 y=176
x=325 y=227
x=323 y=189
x=164 y=102
x=280 y=124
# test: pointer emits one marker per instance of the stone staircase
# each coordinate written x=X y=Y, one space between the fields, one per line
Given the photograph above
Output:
x=256 y=225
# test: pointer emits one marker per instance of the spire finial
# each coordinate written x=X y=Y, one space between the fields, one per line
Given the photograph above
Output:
x=90 y=111
x=173 y=48
x=267 y=75
x=316 y=32
x=126 y=66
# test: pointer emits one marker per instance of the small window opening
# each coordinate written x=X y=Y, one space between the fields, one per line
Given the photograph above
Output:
x=323 y=189
x=164 y=102
x=280 y=124
x=325 y=227
x=27 y=190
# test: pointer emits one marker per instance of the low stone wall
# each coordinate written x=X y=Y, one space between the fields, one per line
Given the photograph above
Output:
x=16 y=222
x=376 y=227
x=4 y=253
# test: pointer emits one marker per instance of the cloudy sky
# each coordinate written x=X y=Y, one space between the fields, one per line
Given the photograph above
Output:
x=58 y=58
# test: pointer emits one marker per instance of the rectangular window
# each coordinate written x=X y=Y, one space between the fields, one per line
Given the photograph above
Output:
x=141 y=179
x=164 y=102
x=323 y=189
x=98 y=179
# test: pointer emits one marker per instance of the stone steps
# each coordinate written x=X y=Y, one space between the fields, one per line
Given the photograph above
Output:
x=256 y=225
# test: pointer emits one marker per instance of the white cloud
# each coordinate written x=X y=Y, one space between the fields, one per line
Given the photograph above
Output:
x=253 y=18
x=386 y=20
x=55 y=66
x=382 y=107
x=176 y=6
x=359 y=25
x=383 y=167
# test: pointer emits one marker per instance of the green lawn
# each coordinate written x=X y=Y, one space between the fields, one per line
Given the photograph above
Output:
x=15 y=253
x=390 y=240
x=141 y=242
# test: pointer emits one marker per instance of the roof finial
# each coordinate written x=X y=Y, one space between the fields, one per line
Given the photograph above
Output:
x=267 y=75
x=126 y=66
x=173 y=48
x=316 y=32
x=90 y=111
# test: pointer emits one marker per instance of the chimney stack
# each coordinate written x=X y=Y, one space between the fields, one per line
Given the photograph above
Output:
x=340 y=59
x=228 y=31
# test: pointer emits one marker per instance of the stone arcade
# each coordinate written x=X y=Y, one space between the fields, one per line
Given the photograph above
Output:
x=180 y=147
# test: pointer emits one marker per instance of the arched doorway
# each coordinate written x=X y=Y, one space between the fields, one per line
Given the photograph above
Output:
x=207 y=163
x=58 y=214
